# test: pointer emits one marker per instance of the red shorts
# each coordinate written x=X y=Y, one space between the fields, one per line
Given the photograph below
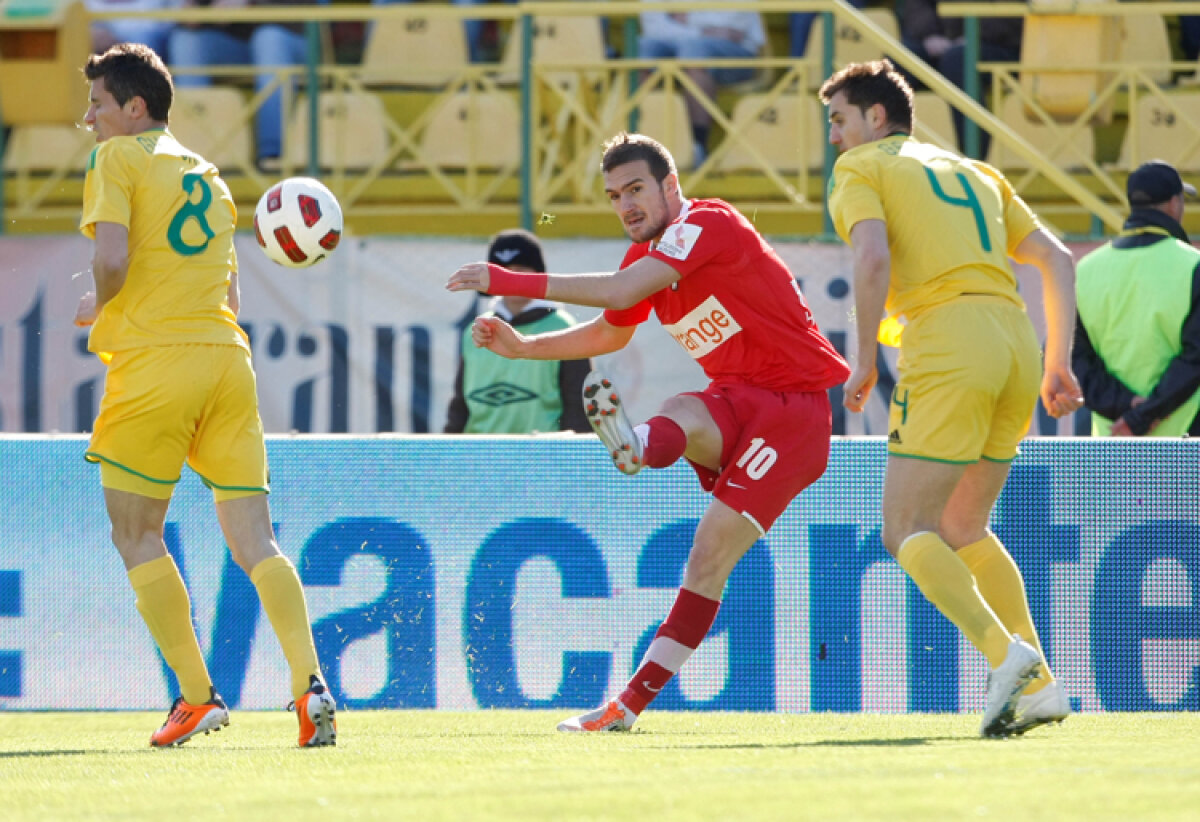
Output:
x=774 y=445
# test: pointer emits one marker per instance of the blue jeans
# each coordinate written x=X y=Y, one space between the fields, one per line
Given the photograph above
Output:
x=700 y=48
x=269 y=45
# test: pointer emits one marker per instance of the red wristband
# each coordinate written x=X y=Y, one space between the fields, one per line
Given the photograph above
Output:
x=505 y=283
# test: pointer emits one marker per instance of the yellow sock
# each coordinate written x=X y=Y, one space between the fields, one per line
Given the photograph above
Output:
x=283 y=599
x=947 y=583
x=162 y=600
x=999 y=581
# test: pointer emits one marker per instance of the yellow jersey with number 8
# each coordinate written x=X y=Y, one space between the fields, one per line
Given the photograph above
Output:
x=951 y=223
x=181 y=220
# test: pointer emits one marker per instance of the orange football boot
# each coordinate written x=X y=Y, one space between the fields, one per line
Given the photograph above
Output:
x=185 y=720
x=316 y=710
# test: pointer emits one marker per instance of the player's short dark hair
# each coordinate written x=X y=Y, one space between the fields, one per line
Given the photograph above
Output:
x=134 y=70
x=629 y=148
x=866 y=84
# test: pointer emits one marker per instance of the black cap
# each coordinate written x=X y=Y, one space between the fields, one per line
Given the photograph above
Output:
x=516 y=246
x=1155 y=182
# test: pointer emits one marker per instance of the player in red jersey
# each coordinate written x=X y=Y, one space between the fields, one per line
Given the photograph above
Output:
x=756 y=436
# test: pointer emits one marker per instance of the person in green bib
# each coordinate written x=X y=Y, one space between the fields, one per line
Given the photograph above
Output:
x=496 y=395
x=1137 y=333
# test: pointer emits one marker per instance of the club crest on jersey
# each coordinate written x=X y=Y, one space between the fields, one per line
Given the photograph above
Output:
x=678 y=241
x=704 y=328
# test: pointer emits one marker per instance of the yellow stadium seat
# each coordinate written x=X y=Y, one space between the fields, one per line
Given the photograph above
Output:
x=849 y=46
x=45 y=148
x=556 y=39
x=213 y=122
x=663 y=116
x=788 y=132
x=1063 y=151
x=352 y=131
x=1144 y=41
x=1162 y=131
x=934 y=120
x=1063 y=41
x=475 y=130
x=420 y=50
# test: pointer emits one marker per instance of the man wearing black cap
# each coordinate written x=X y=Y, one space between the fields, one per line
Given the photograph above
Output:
x=496 y=395
x=1137 y=334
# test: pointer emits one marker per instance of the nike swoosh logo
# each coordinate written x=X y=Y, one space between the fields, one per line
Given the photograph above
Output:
x=735 y=485
x=646 y=684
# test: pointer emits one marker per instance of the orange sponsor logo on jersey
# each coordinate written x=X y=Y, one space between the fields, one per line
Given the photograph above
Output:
x=704 y=328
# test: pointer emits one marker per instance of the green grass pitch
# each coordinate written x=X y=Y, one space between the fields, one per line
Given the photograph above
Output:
x=431 y=765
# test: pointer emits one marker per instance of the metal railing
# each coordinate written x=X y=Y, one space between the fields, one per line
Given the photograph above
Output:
x=567 y=107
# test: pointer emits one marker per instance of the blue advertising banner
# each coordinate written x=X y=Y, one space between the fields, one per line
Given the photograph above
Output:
x=468 y=572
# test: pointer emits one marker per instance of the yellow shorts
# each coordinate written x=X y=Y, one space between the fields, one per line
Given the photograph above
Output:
x=970 y=372
x=171 y=403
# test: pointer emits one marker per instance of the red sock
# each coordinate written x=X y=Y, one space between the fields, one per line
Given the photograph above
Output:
x=688 y=623
x=665 y=443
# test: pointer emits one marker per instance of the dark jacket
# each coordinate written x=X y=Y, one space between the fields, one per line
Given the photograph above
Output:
x=1108 y=396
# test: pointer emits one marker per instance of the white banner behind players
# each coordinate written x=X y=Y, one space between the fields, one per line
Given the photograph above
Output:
x=366 y=342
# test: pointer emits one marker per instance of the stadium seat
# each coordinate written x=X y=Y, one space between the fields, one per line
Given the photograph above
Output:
x=849 y=46
x=1144 y=41
x=934 y=120
x=46 y=148
x=664 y=115
x=475 y=130
x=420 y=50
x=788 y=131
x=213 y=122
x=1061 y=150
x=1062 y=41
x=556 y=39
x=352 y=132
x=1162 y=131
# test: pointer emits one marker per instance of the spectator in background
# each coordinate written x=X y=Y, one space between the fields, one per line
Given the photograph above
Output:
x=703 y=35
x=496 y=395
x=261 y=44
x=1189 y=36
x=800 y=26
x=1137 y=335
x=940 y=43
x=152 y=33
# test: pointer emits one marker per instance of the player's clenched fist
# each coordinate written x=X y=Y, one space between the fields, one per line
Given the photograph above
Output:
x=497 y=336
x=471 y=277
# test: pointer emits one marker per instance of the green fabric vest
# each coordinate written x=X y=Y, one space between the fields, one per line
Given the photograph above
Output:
x=1133 y=302
x=512 y=396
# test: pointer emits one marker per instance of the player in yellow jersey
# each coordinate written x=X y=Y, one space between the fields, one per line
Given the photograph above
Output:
x=180 y=386
x=932 y=234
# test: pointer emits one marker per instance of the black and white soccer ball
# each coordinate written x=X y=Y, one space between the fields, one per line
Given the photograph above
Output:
x=298 y=222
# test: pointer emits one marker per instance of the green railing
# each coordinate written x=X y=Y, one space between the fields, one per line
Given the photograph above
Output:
x=566 y=106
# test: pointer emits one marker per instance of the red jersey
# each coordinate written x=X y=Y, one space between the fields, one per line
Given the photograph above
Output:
x=736 y=309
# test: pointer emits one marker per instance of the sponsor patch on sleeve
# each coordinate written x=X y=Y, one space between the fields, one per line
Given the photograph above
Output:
x=678 y=241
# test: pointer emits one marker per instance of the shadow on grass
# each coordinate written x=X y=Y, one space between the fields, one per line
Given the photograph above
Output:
x=907 y=742
x=35 y=754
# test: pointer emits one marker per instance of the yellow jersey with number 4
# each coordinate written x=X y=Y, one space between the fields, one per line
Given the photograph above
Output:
x=181 y=220
x=951 y=223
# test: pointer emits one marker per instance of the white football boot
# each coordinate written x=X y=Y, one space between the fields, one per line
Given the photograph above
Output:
x=1050 y=704
x=612 y=716
x=611 y=424
x=1004 y=687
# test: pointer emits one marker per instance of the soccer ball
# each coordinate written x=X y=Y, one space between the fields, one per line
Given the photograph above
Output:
x=298 y=222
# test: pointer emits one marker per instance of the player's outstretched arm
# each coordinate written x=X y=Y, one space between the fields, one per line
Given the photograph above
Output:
x=589 y=339
x=618 y=290
x=1061 y=393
